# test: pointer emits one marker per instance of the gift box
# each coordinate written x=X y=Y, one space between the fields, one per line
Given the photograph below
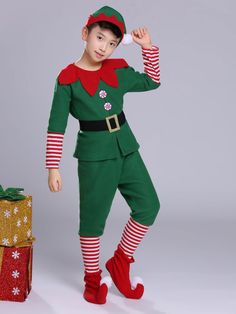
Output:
x=15 y=216
x=16 y=271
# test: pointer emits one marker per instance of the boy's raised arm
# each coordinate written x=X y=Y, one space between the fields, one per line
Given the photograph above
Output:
x=150 y=79
x=151 y=62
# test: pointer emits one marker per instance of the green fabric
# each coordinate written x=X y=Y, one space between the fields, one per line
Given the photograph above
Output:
x=98 y=182
x=109 y=11
x=73 y=99
x=11 y=194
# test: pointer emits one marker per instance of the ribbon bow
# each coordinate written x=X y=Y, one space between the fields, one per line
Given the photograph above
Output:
x=11 y=194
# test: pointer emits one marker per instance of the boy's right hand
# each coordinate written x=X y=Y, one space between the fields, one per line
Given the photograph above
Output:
x=54 y=180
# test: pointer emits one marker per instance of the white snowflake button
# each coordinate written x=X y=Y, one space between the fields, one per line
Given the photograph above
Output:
x=107 y=106
x=102 y=93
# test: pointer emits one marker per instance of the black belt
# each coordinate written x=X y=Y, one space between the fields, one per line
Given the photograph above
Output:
x=111 y=123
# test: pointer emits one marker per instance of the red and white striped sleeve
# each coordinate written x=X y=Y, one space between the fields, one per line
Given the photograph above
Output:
x=54 y=149
x=151 y=62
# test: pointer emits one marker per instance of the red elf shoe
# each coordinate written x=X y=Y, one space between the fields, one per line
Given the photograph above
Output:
x=96 y=289
x=118 y=267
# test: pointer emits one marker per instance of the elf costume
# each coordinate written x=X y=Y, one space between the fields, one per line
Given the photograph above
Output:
x=108 y=158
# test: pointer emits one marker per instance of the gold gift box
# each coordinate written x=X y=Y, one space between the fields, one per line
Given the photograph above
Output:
x=15 y=221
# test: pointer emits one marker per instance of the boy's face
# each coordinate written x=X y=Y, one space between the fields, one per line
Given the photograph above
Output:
x=100 y=42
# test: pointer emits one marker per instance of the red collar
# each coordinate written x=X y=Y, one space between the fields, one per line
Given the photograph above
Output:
x=91 y=79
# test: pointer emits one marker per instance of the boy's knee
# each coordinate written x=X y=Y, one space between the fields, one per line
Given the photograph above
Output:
x=89 y=233
x=91 y=229
x=155 y=212
x=148 y=214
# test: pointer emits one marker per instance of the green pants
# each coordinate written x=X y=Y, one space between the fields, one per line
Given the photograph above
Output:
x=98 y=182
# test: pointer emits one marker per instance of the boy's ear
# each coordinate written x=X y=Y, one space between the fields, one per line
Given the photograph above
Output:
x=84 y=33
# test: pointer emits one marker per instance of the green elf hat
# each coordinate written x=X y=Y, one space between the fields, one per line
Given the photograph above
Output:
x=108 y=14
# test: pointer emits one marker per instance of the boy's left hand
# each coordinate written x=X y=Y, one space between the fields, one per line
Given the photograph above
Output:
x=142 y=37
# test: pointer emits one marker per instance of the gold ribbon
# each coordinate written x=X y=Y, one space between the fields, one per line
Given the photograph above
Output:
x=25 y=243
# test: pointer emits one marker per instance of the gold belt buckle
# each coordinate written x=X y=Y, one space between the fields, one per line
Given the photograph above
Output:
x=116 y=121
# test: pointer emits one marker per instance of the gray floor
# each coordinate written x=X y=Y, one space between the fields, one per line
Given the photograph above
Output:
x=188 y=267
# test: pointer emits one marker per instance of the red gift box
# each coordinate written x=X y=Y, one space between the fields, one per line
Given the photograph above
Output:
x=16 y=271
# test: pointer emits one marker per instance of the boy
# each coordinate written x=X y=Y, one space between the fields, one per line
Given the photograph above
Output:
x=92 y=90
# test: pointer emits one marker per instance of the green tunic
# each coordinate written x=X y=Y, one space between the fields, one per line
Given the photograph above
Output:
x=73 y=99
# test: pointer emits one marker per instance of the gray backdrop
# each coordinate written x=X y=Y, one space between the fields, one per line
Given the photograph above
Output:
x=187 y=141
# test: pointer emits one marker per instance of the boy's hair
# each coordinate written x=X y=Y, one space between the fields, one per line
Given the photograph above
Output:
x=107 y=25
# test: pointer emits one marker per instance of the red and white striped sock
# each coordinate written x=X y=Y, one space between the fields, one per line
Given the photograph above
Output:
x=132 y=235
x=90 y=247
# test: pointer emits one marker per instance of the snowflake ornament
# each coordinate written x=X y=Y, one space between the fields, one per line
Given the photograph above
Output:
x=15 y=238
x=15 y=290
x=15 y=210
x=5 y=241
x=18 y=223
x=15 y=255
x=7 y=213
x=15 y=274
